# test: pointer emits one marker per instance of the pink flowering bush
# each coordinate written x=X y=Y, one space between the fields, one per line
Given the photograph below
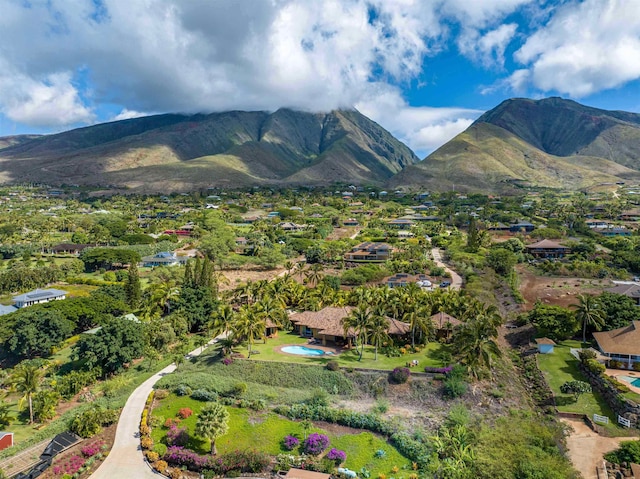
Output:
x=177 y=436
x=69 y=466
x=92 y=449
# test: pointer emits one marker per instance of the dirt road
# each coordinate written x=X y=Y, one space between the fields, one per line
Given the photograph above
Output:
x=587 y=448
x=456 y=280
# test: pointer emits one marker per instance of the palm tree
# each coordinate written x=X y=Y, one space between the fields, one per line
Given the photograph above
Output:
x=26 y=380
x=589 y=312
x=378 y=331
x=314 y=274
x=6 y=418
x=213 y=422
x=249 y=325
x=476 y=346
x=221 y=320
x=359 y=320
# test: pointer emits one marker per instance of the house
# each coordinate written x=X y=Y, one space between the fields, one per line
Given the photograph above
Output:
x=369 y=251
x=6 y=440
x=444 y=324
x=630 y=215
x=615 y=231
x=7 y=309
x=499 y=227
x=547 y=249
x=401 y=223
x=165 y=258
x=38 y=296
x=404 y=279
x=622 y=344
x=178 y=232
x=326 y=325
x=631 y=290
x=270 y=329
x=522 y=226
x=69 y=248
x=351 y=222
x=288 y=226
x=597 y=224
x=545 y=345
x=241 y=244
x=404 y=234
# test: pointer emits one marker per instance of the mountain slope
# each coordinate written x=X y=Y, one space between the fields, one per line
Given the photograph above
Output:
x=182 y=152
x=552 y=143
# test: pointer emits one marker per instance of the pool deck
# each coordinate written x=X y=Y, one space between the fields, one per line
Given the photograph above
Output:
x=334 y=350
x=616 y=373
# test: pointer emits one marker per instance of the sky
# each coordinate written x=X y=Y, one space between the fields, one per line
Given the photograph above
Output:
x=423 y=69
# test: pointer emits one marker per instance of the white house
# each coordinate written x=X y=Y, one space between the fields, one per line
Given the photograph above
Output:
x=38 y=296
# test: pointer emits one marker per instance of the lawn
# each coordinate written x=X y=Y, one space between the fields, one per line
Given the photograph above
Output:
x=560 y=367
x=265 y=431
x=429 y=356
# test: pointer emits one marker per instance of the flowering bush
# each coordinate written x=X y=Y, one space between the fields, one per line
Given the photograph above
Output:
x=146 y=442
x=69 y=466
x=171 y=422
x=177 y=437
x=399 y=375
x=291 y=442
x=160 y=466
x=243 y=461
x=185 y=412
x=92 y=449
x=227 y=361
x=337 y=455
x=315 y=443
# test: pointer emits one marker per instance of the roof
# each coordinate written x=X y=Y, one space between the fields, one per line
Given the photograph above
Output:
x=624 y=340
x=441 y=319
x=328 y=321
x=545 y=341
x=631 y=290
x=546 y=244
x=369 y=246
x=304 y=474
x=7 y=309
x=38 y=294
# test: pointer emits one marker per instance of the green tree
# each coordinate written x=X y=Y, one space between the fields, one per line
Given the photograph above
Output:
x=44 y=404
x=378 y=331
x=475 y=342
x=37 y=331
x=357 y=323
x=6 y=417
x=212 y=422
x=473 y=238
x=619 y=310
x=577 y=388
x=589 y=313
x=132 y=286
x=554 y=322
x=249 y=325
x=26 y=379
x=501 y=260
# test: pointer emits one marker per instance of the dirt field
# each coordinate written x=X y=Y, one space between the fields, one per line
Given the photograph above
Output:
x=557 y=291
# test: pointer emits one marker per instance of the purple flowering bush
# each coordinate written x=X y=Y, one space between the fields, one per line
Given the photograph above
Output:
x=226 y=361
x=177 y=436
x=315 y=443
x=291 y=442
x=430 y=369
x=242 y=461
x=337 y=455
x=399 y=375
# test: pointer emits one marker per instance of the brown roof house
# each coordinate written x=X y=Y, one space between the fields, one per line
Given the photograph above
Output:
x=444 y=324
x=622 y=344
x=630 y=290
x=547 y=249
x=326 y=325
x=369 y=251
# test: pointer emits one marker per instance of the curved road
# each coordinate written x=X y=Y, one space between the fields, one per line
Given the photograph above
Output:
x=456 y=280
x=125 y=460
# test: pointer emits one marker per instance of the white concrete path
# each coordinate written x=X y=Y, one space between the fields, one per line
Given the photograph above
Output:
x=125 y=460
x=456 y=280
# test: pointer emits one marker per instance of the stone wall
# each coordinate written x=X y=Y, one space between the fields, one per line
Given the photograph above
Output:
x=620 y=405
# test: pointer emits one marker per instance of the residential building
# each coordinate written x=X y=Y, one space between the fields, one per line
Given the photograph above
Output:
x=165 y=258
x=69 y=248
x=38 y=296
x=545 y=345
x=7 y=309
x=522 y=226
x=444 y=324
x=547 y=249
x=622 y=344
x=631 y=290
x=369 y=251
x=401 y=223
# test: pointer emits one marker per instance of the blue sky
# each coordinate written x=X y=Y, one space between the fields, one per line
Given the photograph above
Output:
x=424 y=69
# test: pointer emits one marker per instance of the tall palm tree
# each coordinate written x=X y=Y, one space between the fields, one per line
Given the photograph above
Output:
x=476 y=346
x=249 y=325
x=221 y=320
x=589 y=312
x=26 y=380
x=212 y=422
x=359 y=321
x=314 y=274
x=378 y=331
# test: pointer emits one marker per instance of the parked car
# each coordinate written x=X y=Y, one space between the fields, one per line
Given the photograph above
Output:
x=445 y=284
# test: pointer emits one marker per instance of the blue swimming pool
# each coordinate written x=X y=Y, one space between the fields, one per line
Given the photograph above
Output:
x=304 y=351
x=633 y=381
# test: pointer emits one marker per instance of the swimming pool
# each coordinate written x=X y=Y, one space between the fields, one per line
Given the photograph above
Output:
x=633 y=381
x=304 y=351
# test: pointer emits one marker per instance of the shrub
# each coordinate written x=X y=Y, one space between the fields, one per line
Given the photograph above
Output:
x=594 y=366
x=380 y=453
x=636 y=366
x=177 y=436
x=239 y=389
x=226 y=361
x=90 y=422
x=319 y=397
x=315 y=443
x=171 y=421
x=585 y=354
x=629 y=451
x=146 y=442
x=454 y=387
x=337 y=455
x=144 y=430
x=160 y=466
x=91 y=450
x=185 y=412
x=290 y=442
x=431 y=369
x=399 y=375
x=614 y=364
x=258 y=404
x=161 y=449
x=204 y=395
x=151 y=456
x=183 y=390
x=333 y=365
x=161 y=394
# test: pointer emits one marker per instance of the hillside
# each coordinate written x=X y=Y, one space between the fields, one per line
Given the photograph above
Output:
x=553 y=143
x=183 y=152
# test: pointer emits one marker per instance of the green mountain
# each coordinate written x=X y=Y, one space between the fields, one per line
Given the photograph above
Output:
x=183 y=152
x=552 y=142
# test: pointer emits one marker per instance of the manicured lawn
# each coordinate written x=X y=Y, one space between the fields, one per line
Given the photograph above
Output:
x=560 y=367
x=265 y=431
x=429 y=356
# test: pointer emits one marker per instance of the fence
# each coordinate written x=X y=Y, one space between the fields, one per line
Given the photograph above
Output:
x=625 y=422
x=600 y=419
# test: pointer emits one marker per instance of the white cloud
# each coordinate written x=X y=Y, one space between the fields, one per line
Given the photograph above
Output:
x=489 y=48
x=585 y=48
x=126 y=114
x=423 y=129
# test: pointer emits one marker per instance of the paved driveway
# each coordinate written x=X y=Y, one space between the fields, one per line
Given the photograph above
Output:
x=456 y=280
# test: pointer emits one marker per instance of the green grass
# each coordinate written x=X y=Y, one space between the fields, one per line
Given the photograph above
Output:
x=560 y=367
x=429 y=356
x=265 y=431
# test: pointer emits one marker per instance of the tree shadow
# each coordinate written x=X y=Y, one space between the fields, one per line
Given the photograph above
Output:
x=565 y=400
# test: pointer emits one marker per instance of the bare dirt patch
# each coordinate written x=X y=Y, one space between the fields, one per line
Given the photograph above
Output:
x=235 y=277
x=554 y=290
